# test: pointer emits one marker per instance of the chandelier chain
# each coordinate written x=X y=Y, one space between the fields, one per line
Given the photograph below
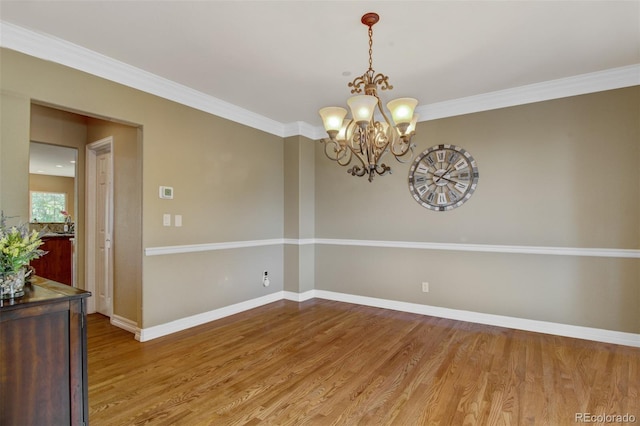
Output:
x=370 y=48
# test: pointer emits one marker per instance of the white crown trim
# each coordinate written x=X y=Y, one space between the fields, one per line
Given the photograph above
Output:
x=615 y=78
x=491 y=248
x=60 y=51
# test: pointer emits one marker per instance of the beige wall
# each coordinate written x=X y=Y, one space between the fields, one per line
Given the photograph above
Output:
x=299 y=213
x=58 y=184
x=557 y=173
x=14 y=154
x=561 y=173
x=227 y=180
x=584 y=291
x=193 y=283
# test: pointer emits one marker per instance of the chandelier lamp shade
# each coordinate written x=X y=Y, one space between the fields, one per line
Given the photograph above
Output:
x=365 y=137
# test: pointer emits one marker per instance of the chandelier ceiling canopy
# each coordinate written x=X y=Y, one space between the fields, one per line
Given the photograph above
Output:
x=366 y=137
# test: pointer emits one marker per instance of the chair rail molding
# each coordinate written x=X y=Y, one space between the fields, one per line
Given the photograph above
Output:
x=418 y=245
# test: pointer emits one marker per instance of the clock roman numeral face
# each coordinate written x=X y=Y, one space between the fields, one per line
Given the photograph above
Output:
x=429 y=161
x=421 y=180
x=462 y=164
x=443 y=177
x=423 y=168
x=460 y=186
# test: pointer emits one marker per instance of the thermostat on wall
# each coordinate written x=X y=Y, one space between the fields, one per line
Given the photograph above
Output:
x=166 y=192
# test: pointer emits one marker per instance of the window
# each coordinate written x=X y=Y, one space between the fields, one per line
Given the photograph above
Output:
x=48 y=206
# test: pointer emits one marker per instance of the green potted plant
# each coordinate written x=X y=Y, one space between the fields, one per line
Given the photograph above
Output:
x=18 y=247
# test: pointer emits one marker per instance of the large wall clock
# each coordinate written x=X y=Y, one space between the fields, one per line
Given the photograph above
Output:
x=443 y=177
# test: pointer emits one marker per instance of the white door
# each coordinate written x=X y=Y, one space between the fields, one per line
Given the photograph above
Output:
x=99 y=226
x=103 y=233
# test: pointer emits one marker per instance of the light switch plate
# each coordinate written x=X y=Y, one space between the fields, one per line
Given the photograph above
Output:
x=166 y=219
x=177 y=220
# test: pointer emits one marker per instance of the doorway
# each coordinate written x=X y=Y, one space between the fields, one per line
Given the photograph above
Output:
x=122 y=291
x=99 y=248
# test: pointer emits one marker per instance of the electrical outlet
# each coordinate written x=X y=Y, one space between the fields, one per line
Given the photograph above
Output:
x=265 y=279
x=425 y=287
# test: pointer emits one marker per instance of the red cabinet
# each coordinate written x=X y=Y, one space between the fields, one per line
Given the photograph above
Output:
x=57 y=264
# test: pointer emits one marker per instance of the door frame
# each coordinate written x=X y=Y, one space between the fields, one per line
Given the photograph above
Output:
x=92 y=151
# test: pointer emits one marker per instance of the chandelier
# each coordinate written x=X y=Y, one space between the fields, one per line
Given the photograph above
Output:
x=365 y=138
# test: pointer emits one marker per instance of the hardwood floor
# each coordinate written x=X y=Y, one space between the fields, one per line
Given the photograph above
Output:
x=329 y=363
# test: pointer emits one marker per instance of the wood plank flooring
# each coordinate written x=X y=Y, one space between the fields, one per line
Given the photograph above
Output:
x=329 y=363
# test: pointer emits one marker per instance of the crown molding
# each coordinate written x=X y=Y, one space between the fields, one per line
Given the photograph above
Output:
x=301 y=128
x=615 y=78
x=60 y=51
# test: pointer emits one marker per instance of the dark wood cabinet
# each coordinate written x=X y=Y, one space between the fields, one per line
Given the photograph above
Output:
x=57 y=264
x=43 y=356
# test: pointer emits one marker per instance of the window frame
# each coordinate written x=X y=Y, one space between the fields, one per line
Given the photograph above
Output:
x=65 y=208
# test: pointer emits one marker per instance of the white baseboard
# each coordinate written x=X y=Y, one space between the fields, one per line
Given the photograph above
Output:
x=566 y=330
x=125 y=324
x=205 y=317
x=298 y=297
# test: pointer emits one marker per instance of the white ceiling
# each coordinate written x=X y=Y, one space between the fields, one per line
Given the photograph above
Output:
x=53 y=160
x=286 y=59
